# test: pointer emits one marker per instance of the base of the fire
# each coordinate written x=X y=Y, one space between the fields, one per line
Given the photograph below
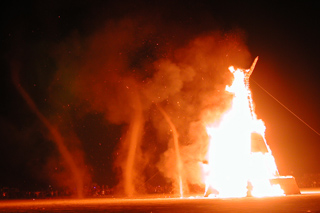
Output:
x=287 y=183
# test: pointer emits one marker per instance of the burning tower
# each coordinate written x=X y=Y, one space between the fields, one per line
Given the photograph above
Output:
x=240 y=162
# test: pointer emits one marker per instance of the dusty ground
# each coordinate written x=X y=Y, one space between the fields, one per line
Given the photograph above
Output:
x=308 y=201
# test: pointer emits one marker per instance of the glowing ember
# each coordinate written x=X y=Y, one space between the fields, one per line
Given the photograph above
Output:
x=240 y=162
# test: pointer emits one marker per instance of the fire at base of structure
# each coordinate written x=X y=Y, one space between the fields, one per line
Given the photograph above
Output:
x=240 y=163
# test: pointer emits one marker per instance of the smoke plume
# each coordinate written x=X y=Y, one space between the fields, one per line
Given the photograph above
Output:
x=128 y=68
x=151 y=86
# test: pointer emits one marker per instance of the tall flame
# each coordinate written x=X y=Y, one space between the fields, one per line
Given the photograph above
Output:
x=240 y=162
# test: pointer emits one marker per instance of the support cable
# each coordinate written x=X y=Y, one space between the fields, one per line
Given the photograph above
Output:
x=305 y=123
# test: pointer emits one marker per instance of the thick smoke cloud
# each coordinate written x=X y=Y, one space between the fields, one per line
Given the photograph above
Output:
x=142 y=87
x=129 y=69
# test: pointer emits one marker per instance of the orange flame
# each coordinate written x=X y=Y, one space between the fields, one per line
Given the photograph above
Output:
x=240 y=162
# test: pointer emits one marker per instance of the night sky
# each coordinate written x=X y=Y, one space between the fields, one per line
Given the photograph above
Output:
x=58 y=48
